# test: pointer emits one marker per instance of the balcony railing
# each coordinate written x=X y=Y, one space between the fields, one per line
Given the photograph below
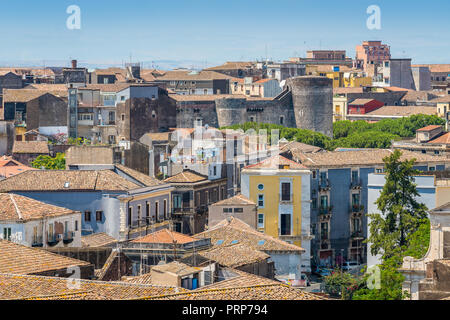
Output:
x=68 y=236
x=325 y=210
x=52 y=239
x=324 y=185
x=37 y=241
x=356 y=184
x=357 y=234
x=357 y=208
x=182 y=210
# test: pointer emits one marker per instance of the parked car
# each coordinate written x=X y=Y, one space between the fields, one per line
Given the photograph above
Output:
x=351 y=266
x=323 y=272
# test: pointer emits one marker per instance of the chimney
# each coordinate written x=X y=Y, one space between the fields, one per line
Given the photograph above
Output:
x=74 y=64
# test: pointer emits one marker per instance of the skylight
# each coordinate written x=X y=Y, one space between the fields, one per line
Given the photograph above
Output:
x=234 y=241
x=219 y=242
x=261 y=242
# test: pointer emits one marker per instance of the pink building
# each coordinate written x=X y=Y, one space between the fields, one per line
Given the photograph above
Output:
x=371 y=53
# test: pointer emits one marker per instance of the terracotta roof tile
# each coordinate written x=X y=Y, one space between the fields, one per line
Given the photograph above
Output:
x=442 y=139
x=239 y=199
x=402 y=111
x=188 y=75
x=187 y=176
x=275 y=162
x=10 y=167
x=235 y=231
x=364 y=157
x=13 y=286
x=19 y=259
x=30 y=147
x=165 y=236
x=66 y=180
x=139 y=176
x=97 y=240
x=234 y=256
x=258 y=292
x=429 y=128
x=19 y=208
x=176 y=267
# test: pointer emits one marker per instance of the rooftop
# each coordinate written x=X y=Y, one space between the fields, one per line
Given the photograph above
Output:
x=298 y=146
x=176 y=268
x=360 y=102
x=186 y=176
x=429 y=128
x=10 y=167
x=66 y=180
x=19 y=259
x=234 y=256
x=402 y=111
x=13 y=287
x=239 y=199
x=32 y=147
x=189 y=75
x=235 y=231
x=232 y=65
x=442 y=139
x=256 y=292
x=26 y=95
x=360 y=157
x=165 y=236
x=140 y=177
x=276 y=162
x=19 y=208
x=97 y=240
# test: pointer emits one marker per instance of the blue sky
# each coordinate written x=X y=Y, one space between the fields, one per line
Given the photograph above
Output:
x=211 y=31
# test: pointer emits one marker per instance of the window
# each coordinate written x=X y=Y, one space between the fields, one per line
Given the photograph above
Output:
x=324 y=202
x=123 y=116
x=260 y=200
x=98 y=215
x=227 y=210
x=7 y=234
x=281 y=120
x=215 y=170
x=252 y=119
x=324 y=230
x=76 y=225
x=177 y=201
x=314 y=203
x=355 y=199
x=122 y=98
x=165 y=209
x=238 y=210
x=87 y=216
x=208 y=277
x=379 y=170
x=260 y=186
x=285 y=224
x=139 y=214
x=285 y=191
x=130 y=211
x=260 y=220
x=431 y=168
x=354 y=176
x=156 y=210
x=356 y=225
x=314 y=174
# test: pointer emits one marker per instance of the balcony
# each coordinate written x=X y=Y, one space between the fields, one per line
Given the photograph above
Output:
x=182 y=210
x=325 y=210
x=52 y=239
x=357 y=235
x=357 y=208
x=68 y=237
x=356 y=184
x=324 y=185
x=37 y=241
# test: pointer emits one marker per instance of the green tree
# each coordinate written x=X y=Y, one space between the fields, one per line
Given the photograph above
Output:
x=401 y=229
x=49 y=163
x=401 y=214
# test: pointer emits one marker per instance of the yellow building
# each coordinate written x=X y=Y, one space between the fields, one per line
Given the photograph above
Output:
x=356 y=79
x=281 y=190
x=442 y=191
x=340 y=105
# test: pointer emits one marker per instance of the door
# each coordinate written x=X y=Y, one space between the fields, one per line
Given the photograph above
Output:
x=285 y=227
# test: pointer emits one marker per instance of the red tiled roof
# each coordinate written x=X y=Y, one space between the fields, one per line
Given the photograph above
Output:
x=429 y=128
x=443 y=139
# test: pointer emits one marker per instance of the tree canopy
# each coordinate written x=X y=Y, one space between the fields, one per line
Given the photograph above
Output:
x=49 y=163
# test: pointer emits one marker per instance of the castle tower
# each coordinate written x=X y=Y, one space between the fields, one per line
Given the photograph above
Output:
x=231 y=111
x=312 y=99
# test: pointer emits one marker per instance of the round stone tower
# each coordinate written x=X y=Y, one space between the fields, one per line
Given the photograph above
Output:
x=312 y=99
x=231 y=111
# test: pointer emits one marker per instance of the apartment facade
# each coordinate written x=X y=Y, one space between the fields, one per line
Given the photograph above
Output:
x=280 y=188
